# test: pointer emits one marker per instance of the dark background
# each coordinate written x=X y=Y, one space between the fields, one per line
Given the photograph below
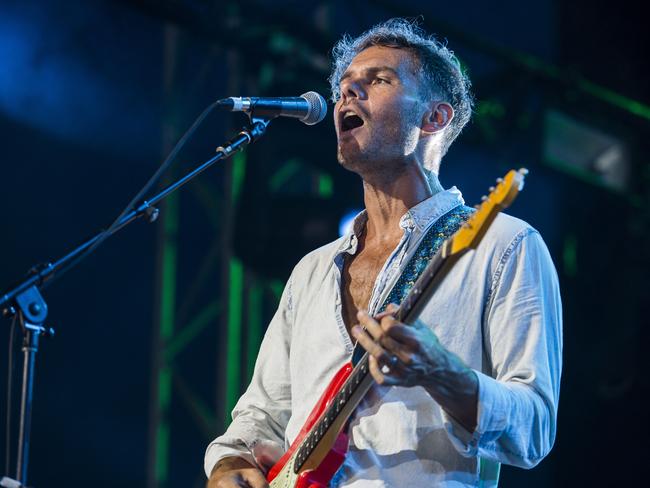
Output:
x=93 y=95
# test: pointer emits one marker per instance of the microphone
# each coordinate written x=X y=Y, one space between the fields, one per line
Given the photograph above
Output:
x=309 y=107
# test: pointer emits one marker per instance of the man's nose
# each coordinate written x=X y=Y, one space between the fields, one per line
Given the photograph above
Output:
x=351 y=89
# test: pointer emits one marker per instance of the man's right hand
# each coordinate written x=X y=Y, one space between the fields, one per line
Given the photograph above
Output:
x=235 y=472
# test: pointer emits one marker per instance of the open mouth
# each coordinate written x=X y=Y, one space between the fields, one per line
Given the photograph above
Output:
x=350 y=121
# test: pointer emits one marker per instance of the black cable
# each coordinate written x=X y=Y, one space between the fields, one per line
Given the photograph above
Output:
x=165 y=164
x=138 y=197
x=10 y=374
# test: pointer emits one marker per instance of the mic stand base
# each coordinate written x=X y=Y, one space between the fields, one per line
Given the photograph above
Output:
x=9 y=483
x=31 y=310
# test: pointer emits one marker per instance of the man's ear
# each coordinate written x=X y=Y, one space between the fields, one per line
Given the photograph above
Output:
x=438 y=117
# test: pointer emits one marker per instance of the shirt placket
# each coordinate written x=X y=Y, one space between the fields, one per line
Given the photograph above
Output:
x=349 y=248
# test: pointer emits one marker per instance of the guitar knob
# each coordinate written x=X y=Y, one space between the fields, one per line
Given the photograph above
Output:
x=499 y=180
x=483 y=198
x=491 y=189
x=523 y=171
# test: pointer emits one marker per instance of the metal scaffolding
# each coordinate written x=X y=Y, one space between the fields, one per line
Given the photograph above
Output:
x=223 y=302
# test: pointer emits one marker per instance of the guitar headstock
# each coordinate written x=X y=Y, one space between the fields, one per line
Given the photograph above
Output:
x=500 y=197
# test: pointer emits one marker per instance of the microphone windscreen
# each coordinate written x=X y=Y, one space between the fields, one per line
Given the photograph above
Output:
x=317 y=108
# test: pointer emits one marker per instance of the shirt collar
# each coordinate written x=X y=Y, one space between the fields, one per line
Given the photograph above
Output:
x=422 y=215
x=419 y=217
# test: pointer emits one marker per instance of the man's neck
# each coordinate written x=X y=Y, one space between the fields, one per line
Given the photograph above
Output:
x=387 y=199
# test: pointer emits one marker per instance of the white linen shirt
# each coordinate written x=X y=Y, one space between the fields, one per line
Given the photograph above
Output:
x=499 y=310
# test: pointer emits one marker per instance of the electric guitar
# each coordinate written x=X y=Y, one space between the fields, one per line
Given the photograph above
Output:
x=320 y=447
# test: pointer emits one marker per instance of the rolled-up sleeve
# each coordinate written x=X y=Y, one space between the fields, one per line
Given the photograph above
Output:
x=518 y=398
x=260 y=416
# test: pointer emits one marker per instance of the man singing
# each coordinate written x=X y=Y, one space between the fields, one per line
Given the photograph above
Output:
x=475 y=381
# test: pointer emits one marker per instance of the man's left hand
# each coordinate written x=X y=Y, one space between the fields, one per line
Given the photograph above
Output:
x=400 y=354
x=411 y=355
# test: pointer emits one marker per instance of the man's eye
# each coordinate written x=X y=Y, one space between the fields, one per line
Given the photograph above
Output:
x=379 y=80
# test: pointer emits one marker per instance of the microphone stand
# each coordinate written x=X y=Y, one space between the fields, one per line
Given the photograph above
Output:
x=25 y=301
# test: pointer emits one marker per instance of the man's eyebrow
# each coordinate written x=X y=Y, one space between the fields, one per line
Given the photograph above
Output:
x=371 y=71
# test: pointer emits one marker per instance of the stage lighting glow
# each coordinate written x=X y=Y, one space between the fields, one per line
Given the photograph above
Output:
x=64 y=88
x=346 y=221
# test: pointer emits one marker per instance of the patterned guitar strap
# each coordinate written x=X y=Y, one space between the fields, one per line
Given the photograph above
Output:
x=440 y=231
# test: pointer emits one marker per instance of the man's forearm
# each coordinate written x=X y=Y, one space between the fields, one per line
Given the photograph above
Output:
x=455 y=388
x=231 y=462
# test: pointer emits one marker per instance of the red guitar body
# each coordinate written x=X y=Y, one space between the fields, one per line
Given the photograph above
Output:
x=320 y=477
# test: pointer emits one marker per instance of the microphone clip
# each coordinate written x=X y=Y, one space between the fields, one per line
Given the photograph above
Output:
x=254 y=131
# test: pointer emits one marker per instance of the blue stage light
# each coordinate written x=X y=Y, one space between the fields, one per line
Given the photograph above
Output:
x=346 y=221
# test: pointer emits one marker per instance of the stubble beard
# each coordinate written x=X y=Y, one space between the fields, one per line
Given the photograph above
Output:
x=380 y=160
x=370 y=165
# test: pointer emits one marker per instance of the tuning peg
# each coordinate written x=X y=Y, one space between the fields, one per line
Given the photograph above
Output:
x=476 y=206
x=499 y=180
x=483 y=198
x=491 y=189
x=523 y=171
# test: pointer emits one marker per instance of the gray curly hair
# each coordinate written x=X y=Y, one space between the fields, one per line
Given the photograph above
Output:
x=439 y=68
